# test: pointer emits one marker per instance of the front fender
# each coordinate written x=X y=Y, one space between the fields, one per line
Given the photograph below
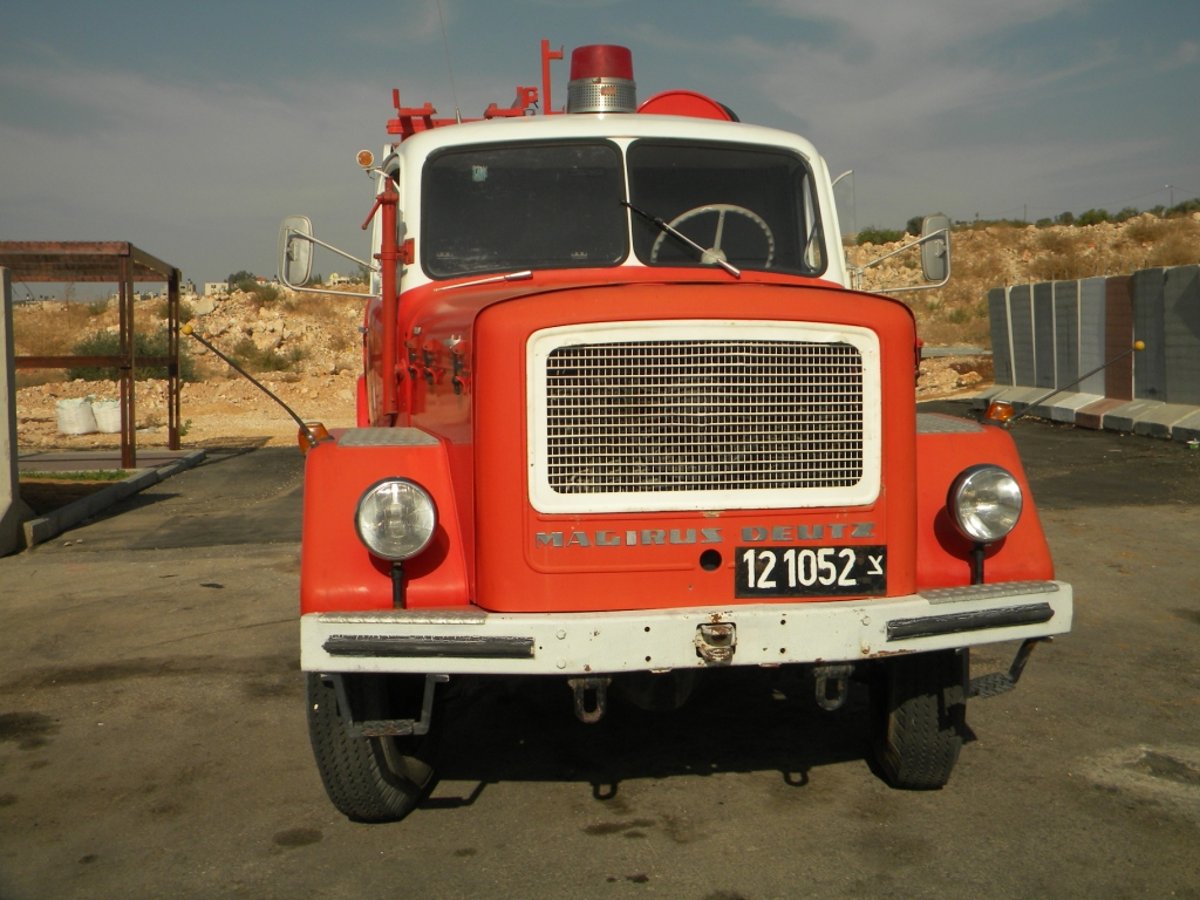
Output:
x=337 y=573
x=945 y=446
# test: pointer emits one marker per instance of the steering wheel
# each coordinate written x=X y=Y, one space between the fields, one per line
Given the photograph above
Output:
x=715 y=253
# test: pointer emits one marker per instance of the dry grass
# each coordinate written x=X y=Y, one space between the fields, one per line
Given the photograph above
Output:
x=51 y=329
x=1064 y=255
x=1179 y=248
x=337 y=317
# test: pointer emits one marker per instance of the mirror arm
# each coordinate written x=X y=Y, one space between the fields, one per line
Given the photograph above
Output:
x=921 y=240
x=908 y=246
x=330 y=291
x=293 y=233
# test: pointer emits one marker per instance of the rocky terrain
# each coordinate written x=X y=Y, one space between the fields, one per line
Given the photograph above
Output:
x=306 y=347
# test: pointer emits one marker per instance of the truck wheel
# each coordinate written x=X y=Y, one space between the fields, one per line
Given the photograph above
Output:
x=369 y=779
x=918 y=706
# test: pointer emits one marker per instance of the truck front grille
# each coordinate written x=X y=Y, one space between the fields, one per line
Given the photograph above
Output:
x=709 y=420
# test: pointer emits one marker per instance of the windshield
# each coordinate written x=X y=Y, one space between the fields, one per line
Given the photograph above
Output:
x=523 y=206
x=538 y=205
x=751 y=207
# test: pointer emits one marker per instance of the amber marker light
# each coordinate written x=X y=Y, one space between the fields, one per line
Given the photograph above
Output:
x=1001 y=412
x=310 y=435
x=365 y=158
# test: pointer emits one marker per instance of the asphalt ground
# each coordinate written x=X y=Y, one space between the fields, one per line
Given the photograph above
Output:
x=153 y=738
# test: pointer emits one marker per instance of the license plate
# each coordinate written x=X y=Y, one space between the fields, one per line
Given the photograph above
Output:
x=810 y=571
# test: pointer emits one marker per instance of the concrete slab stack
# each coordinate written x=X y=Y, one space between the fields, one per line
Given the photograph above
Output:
x=1049 y=336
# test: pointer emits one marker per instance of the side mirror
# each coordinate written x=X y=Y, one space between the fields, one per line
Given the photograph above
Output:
x=935 y=248
x=295 y=251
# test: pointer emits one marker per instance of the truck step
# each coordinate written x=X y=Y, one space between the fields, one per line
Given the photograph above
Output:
x=991 y=685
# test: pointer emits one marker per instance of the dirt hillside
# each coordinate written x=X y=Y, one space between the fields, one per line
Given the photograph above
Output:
x=306 y=347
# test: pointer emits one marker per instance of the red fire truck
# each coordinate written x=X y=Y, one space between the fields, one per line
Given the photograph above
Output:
x=624 y=421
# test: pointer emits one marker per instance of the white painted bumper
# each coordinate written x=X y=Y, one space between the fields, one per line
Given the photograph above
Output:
x=471 y=641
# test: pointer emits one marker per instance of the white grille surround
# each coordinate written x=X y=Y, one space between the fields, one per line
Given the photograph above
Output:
x=661 y=416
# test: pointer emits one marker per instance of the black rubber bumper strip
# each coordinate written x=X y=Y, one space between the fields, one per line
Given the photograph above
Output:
x=956 y=623
x=439 y=646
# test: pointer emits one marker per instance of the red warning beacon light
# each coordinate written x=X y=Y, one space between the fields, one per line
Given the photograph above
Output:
x=601 y=80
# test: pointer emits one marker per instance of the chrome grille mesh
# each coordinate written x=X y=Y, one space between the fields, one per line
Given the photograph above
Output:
x=661 y=416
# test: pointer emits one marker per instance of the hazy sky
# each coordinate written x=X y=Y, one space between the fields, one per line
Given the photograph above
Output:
x=191 y=130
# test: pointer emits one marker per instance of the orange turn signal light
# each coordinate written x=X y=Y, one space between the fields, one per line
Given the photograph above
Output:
x=365 y=158
x=1001 y=412
x=316 y=432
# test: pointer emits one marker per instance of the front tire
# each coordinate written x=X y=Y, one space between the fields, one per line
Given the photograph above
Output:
x=369 y=779
x=919 y=711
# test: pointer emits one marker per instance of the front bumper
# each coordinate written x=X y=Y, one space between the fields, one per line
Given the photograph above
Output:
x=472 y=641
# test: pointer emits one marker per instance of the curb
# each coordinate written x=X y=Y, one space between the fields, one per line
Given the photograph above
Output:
x=43 y=528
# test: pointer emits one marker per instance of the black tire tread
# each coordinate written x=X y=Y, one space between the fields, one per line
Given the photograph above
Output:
x=920 y=719
x=355 y=771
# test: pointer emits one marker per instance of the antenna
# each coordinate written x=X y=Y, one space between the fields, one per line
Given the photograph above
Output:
x=449 y=67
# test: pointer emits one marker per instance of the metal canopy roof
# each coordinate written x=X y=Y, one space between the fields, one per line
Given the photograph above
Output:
x=80 y=261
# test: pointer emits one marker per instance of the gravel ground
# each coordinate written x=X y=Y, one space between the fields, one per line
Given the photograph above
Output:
x=213 y=414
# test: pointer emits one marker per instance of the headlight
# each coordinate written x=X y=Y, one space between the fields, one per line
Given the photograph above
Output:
x=985 y=503
x=396 y=519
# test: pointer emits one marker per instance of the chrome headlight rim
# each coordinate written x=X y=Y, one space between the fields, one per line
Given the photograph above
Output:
x=985 y=503
x=424 y=526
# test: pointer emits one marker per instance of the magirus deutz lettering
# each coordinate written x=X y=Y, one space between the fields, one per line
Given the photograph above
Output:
x=627 y=420
x=648 y=537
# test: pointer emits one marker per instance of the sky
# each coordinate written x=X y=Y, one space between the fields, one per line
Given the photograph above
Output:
x=192 y=129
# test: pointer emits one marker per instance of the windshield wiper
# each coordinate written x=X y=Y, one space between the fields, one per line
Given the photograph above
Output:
x=491 y=279
x=675 y=232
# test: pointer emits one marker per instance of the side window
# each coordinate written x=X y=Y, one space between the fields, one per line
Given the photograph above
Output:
x=814 y=243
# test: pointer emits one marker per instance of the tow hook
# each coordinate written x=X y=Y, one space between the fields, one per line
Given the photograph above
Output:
x=716 y=642
x=591 y=698
x=832 y=685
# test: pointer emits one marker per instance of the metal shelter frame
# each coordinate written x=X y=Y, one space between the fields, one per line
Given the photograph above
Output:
x=125 y=264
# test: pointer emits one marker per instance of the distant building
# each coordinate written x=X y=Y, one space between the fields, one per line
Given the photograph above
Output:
x=216 y=289
x=335 y=279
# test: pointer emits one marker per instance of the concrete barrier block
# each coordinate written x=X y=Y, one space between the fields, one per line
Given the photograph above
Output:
x=1188 y=428
x=1160 y=421
x=1091 y=334
x=1150 y=365
x=1020 y=310
x=1066 y=333
x=1092 y=415
x=1065 y=407
x=1002 y=364
x=1181 y=334
x=1043 y=335
x=1118 y=337
x=1125 y=416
